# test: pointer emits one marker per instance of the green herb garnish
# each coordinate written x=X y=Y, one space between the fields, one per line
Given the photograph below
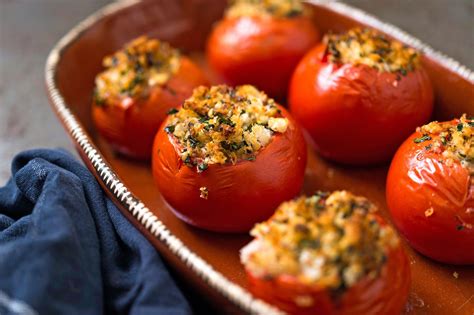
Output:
x=193 y=141
x=97 y=99
x=234 y=146
x=169 y=128
x=202 y=167
x=422 y=139
x=209 y=127
x=225 y=120
x=187 y=161
x=293 y=13
x=172 y=111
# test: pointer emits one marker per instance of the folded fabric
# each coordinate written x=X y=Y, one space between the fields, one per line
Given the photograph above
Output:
x=66 y=249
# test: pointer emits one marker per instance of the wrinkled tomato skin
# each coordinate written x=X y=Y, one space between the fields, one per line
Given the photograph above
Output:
x=239 y=195
x=129 y=125
x=419 y=180
x=386 y=294
x=355 y=114
x=260 y=51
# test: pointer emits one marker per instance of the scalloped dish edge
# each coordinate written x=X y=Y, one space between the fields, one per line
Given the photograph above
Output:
x=234 y=293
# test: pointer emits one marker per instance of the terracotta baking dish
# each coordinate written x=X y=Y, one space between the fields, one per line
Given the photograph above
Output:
x=208 y=262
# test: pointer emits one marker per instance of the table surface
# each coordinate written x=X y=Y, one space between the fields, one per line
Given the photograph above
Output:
x=29 y=28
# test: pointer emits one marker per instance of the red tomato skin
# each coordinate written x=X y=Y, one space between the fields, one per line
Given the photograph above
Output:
x=418 y=181
x=130 y=126
x=386 y=294
x=260 y=51
x=355 y=114
x=239 y=195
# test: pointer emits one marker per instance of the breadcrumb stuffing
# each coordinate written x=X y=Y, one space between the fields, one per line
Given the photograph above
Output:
x=266 y=8
x=203 y=192
x=369 y=47
x=453 y=139
x=133 y=70
x=331 y=240
x=222 y=124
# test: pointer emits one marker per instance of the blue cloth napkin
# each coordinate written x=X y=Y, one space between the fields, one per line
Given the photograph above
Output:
x=66 y=249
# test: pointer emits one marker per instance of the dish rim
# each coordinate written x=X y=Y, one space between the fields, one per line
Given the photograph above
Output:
x=110 y=180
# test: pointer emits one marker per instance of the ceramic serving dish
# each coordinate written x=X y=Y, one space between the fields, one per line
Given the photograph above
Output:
x=208 y=262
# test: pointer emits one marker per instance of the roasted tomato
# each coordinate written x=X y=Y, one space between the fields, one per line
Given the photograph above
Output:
x=430 y=190
x=359 y=95
x=228 y=158
x=140 y=85
x=261 y=42
x=328 y=254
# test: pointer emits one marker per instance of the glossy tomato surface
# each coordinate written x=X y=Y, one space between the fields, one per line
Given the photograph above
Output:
x=130 y=124
x=386 y=294
x=356 y=114
x=238 y=195
x=260 y=51
x=432 y=203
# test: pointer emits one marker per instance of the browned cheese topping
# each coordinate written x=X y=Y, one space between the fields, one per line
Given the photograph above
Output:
x=454 y=140
x=132 y=71
x=368 y=47
x=331 y=240
x=221 y=124
x=266 y=8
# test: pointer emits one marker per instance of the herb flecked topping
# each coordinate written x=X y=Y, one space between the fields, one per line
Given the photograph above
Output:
x=266 y=8
x=133 y=70
x=332 y=240
x=221 y=124
x=368 y=47
x=454 y=140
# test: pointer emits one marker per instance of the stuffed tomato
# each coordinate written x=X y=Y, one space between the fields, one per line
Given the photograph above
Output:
x=329 y=253
x=261 y=42
x=228 y=158
x=132 y=96
x=430 y=190
x=359 y=95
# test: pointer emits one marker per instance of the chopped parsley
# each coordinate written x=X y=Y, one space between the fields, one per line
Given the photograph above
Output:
x=422 y=139
x=222 y=124
x=169 y=128
x=202 y=167
x=172 y=111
